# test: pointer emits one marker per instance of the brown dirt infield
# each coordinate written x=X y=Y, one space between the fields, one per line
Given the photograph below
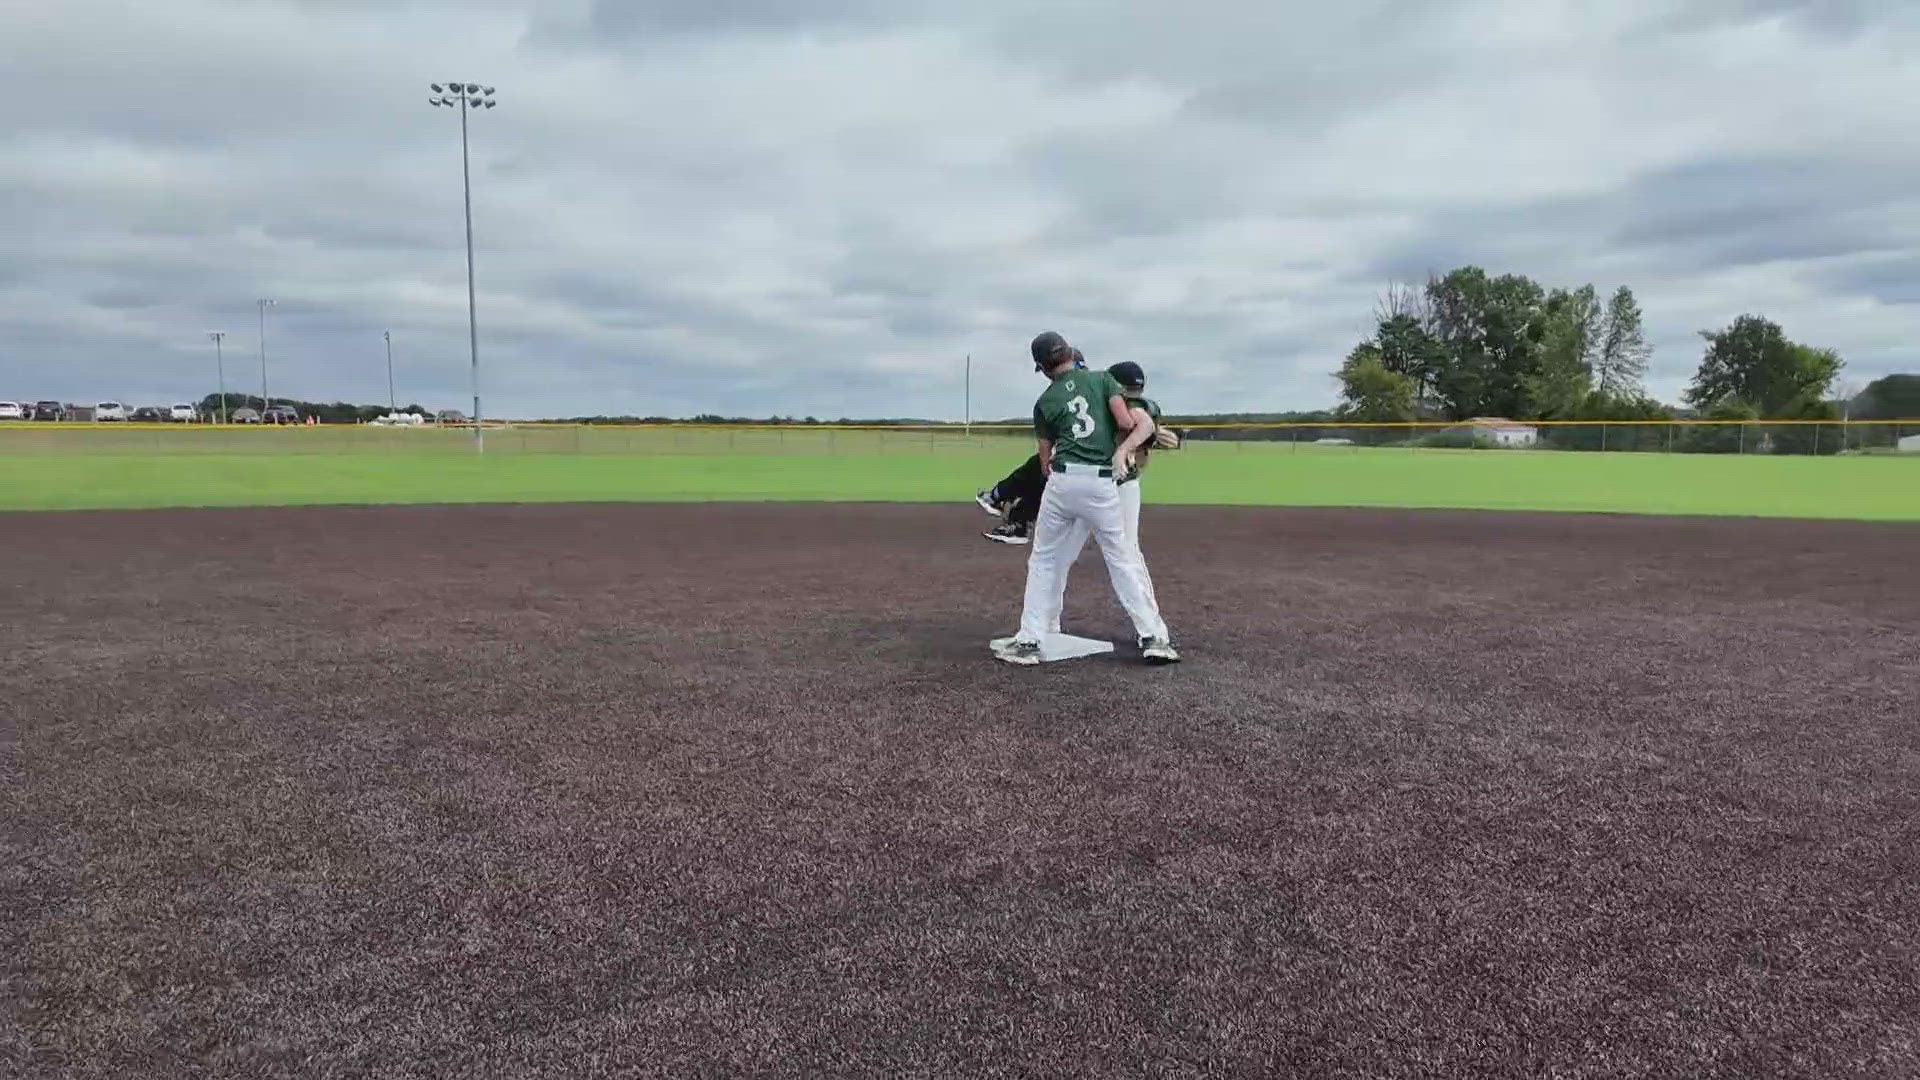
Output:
x=737 y=791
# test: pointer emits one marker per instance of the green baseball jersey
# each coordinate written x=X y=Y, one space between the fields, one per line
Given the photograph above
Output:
x=1073 y=412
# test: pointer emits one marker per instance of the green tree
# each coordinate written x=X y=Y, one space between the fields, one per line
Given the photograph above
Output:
x=1722 y=438
x=1621 y=353
x=1562 y=374
x=1406 y=348
x=1894 y=397
x=1479 y=345
x=1599 y=410
x=1804 y=438
x=1371 y=392
x=1492 y=329
x=1752 y=361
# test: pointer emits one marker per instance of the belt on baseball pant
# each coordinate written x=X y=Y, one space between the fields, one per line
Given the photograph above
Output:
x=1105 y=471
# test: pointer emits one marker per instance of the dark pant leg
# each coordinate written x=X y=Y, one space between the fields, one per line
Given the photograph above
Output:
x=1024 y=475
x=1023 y=487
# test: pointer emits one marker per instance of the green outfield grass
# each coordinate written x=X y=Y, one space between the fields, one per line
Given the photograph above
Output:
x=305 y=467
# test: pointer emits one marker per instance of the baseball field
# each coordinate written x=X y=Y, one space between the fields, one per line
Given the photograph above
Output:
x=70 y=469
x=689 y=759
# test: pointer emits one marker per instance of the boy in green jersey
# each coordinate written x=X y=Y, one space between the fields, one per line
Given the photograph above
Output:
x=1015 y=499
x=1088 y=438
x=1133 y=384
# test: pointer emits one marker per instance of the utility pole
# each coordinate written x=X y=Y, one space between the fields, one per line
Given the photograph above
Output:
x=392 y=406
x=969 y=415
x=464 y=96
x=265 y=401
x=220 y=367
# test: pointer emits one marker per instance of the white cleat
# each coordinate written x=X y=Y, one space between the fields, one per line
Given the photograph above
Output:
x=1159 y=651
x=1022 y=653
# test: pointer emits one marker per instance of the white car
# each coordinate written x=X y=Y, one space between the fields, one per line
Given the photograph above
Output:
x=109 y=410
x=182 y=414
x=11 y=410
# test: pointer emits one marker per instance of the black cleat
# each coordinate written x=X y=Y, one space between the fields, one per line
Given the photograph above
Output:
x=1007 y=533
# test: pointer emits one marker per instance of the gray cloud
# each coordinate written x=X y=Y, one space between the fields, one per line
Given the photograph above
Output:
x=623 y=17
x=761 y=207
x=1892 y=280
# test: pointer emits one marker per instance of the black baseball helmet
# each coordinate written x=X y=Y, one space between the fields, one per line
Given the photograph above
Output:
x=1129 y=374
x=1047 y=348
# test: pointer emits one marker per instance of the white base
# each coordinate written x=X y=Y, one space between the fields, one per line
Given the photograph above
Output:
x=1062 y=647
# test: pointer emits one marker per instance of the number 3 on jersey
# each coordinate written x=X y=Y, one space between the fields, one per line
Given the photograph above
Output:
x=1082 y=419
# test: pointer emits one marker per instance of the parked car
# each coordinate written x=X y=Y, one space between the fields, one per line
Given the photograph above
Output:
x=183 y=414
x=105 y=411
x=245 y=416
x=11 y=410
x=49 y=410
x=149 y=414
x=280 y=414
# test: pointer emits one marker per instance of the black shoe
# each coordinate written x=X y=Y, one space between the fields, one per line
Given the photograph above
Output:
x=984 y=499
x=1007 y=533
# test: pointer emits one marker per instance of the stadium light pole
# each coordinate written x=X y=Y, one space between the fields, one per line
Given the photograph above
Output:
x=466 y=96
x=265 y=402
x=392 y=407
x=220 y=368
x=968 y=419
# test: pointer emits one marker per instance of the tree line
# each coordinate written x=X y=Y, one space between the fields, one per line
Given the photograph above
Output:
x=344 y=412
x=1469 y=344
x=329 y=412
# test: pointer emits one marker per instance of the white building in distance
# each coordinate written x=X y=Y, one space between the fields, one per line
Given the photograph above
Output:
x=1498 y=431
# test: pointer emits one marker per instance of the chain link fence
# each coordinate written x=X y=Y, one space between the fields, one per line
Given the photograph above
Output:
x=1808 y=438
x=1805 y=438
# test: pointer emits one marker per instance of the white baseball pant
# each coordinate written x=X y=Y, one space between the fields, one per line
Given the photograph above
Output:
x=1081 y=494
x=1129 y=516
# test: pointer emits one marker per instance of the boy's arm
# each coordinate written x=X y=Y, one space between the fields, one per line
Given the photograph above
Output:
x=1045 y=438
x=1141 y=431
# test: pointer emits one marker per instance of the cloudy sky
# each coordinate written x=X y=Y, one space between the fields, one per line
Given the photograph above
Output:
x=821 y=206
